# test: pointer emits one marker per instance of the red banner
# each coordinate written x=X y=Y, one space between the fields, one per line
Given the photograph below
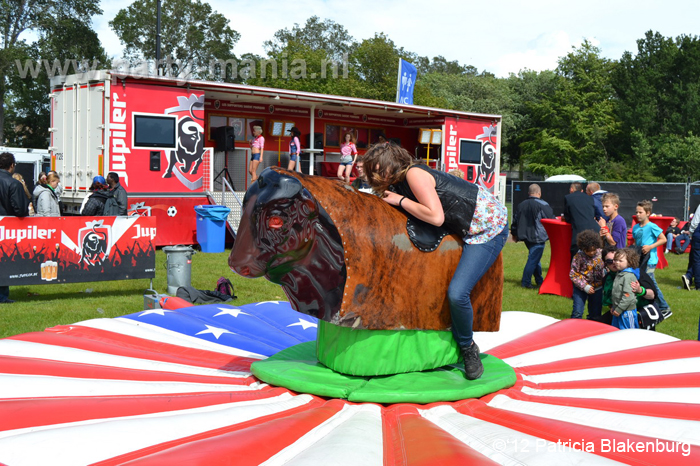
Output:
x=40 y=250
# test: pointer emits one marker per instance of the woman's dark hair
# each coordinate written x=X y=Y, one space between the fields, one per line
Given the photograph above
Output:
x=608 y=248
x=386 y=164
x=588 y=239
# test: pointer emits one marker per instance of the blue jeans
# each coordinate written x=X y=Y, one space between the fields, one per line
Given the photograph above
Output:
x=533 y=266
x=694 y=259
x=476 y=259
x=595 y=304
x=679 y=238
x=663 y=305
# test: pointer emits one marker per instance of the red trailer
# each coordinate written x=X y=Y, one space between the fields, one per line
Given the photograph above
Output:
x=176 y=144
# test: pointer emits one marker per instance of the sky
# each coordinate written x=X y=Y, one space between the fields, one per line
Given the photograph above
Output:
x=500 y=37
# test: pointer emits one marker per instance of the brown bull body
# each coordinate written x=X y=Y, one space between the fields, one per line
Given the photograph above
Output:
x=382 y=281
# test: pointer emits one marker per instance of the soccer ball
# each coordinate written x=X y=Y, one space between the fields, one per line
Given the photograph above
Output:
x=172 y=211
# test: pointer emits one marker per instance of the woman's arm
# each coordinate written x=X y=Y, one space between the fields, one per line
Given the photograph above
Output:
x=428 y=208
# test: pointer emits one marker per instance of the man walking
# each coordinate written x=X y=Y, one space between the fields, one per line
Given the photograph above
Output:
x=119 y=193
x=13 y=202
x=528 y=228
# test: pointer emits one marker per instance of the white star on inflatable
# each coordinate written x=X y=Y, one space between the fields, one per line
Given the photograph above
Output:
x=160 y=312
x=231 y=312
x=217 y=332
x=267 y=302
x=304 y=324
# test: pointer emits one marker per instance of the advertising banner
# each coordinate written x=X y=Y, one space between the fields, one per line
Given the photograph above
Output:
x=157 y=138
x=406 y=82
x=472 y=147
x=41 y=250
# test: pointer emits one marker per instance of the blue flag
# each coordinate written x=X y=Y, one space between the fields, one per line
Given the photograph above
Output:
x=406 y=83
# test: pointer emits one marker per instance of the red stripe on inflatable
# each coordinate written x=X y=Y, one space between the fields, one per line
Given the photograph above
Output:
x=103 y=341
x=32 y=412
x=668 y=410
x=31 y=366
x=651 y=381
x=248 y=443
x=662 y=352
x=557 y=333
x=565 y=432
x=411 y=440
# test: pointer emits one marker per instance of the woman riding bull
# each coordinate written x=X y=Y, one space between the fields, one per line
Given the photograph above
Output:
x=462 y=208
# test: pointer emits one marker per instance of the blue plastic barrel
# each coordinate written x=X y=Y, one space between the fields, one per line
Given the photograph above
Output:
x=211 y=227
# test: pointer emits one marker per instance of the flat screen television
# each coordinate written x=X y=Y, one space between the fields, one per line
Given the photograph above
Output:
x=154 y=131
x=469 y=151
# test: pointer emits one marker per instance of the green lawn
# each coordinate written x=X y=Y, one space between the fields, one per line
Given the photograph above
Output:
x=42 y=306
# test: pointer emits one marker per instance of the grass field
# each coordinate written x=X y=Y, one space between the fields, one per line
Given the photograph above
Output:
x=42 y=306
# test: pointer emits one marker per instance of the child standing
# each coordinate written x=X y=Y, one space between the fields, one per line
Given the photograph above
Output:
x=587 y=275
x=624 y=299
x=649 y=236
x=614 y=231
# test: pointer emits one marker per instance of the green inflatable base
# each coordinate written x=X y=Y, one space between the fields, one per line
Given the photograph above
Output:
x=297 y=368
x=383 y=352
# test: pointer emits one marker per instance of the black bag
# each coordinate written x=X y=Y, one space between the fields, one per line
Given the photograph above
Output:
x=649 y=317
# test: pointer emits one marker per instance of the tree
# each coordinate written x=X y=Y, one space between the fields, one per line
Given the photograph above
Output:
x=194 y=38
x=576 y=124
x=70 y=44
x=658 y=104
x=316 y=35
x=18 y=19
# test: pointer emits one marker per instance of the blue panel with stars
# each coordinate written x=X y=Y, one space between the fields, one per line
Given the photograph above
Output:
x=260 y=328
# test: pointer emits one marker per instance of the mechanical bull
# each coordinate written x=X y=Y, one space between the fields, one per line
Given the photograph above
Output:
x=345 y=257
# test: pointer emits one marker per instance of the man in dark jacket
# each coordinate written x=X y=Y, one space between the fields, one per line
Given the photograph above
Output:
x=13 y=202
x=579 y=211
x=527 y=227
x=117 y=191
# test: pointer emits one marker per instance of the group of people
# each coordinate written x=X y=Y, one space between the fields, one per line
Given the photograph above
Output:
x=604 y=271
x=348 y=154
x=106 y=197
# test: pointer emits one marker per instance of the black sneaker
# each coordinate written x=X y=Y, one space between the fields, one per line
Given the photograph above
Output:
x=666 y=313
x=473 y=368
x=686 y=282
x=7 y=301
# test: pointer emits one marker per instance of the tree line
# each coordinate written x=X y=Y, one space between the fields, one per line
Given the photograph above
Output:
x=632 y=119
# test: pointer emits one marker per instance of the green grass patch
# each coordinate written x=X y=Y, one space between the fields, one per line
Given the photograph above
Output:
x=42 y=306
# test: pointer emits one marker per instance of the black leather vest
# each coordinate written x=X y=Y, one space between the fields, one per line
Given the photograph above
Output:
x=457 y=196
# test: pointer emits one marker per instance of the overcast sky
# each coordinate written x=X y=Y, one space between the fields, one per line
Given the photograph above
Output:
x=498 y=36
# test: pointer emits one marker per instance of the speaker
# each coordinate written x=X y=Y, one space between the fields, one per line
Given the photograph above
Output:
x=224 y=138
x=470 y=173
x=154 y=161
x=318 y=141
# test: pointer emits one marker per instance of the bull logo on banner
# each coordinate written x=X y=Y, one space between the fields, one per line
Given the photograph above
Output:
x=487 y=170
x=140 y=209
x=95 y=243
x=185 y=159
